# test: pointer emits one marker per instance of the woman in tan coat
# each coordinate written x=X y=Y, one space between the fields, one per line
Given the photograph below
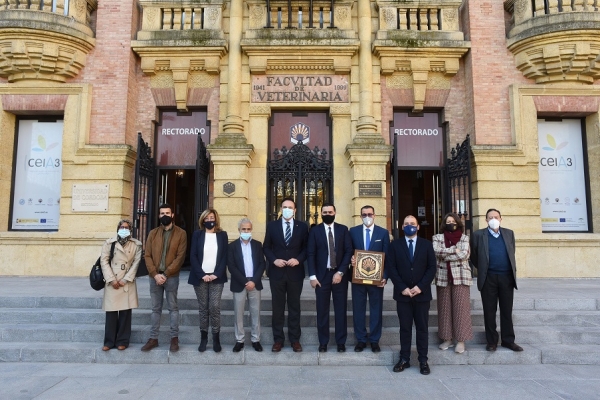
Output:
x=120 y=292
x=453 y=280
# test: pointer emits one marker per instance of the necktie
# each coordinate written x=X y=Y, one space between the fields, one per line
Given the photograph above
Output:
x=368 y=239
x=288 y=233
x=332 y=261
x=411 y=250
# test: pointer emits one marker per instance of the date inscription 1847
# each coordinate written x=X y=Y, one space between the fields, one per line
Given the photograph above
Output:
x=300 y=88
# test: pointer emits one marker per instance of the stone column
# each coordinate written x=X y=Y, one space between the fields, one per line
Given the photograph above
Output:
x=366 y=129
x=233 y=121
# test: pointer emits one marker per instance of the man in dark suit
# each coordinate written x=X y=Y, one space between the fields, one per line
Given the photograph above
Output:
x=329 y=253
x=493 y=254
x=285 y=250
x=368 y=236
x=410 y=264
x=246 y=264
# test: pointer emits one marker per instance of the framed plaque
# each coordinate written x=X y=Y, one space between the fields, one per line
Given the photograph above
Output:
x=369 y=267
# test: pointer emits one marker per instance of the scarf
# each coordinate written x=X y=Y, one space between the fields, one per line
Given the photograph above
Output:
x=124 y=240
x=451 y=239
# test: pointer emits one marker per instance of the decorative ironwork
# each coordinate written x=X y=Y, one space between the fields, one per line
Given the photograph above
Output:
x=202 y=171
x=459 y=183
x=303 y=174
x=143 y=195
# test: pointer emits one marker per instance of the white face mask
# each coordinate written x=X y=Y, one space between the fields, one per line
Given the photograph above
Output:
x=367 y=221
x=494 y=224
x=123 y=233
x=287 y=213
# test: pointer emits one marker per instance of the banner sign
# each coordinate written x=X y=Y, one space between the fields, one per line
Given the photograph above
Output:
x=419 y=140
x=38 y=176
x=177 y=138
x=562 y=177
x=300 y=88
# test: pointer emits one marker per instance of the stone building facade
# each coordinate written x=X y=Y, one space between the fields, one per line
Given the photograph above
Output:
x=357 y=102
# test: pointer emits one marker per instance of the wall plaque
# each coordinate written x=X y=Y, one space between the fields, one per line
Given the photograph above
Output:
x=90 y=198
x=229 y=189
x=370 y=189
x=300 y=89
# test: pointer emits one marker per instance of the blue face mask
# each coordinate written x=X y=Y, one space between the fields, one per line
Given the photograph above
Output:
x=287 y=213
x=123 y=233
x=410 y=230
x=246 y=235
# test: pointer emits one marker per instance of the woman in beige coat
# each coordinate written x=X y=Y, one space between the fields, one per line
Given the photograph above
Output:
x=120 y=292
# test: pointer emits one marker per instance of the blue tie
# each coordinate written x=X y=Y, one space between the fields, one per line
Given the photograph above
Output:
x=411 y=250
x=368 y=239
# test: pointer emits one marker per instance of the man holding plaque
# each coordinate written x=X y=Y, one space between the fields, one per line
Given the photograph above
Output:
x=371 y=237
x=410 y=264
x=329 y=252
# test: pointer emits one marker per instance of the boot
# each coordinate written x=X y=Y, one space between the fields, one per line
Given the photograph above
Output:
x=152 y=343
x=174 y=345
x=203 y=341
x=216 y=342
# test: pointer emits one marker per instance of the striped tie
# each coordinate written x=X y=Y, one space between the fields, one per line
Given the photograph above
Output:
x=288 y=234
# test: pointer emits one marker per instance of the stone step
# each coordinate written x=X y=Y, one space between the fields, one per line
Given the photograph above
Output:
x=76 y=352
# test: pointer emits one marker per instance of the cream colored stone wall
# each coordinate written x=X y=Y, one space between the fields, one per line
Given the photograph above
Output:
x=506 y=178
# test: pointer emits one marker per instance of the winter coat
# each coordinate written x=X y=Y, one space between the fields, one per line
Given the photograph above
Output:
x=123 y=267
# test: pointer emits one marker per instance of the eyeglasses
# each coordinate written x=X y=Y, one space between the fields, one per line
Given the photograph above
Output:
x=123 y=227
x=367 y=215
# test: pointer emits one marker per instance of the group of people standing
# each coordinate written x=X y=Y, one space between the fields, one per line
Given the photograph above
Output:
x=412 y=264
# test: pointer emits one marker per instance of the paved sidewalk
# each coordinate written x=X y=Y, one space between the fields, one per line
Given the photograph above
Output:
x=126 y=381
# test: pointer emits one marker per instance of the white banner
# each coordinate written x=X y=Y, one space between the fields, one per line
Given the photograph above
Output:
x=38 y=176
x=562 y=177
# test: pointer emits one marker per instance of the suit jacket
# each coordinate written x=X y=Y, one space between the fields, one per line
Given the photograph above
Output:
x=235 y=264
x=274 y=247
x=318 y=249
x=480 y=253
x=405 y=274
x=197 y=255
x=380 y=240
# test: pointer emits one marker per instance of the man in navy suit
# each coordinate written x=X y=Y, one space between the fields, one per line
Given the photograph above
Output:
x=410 y=264
x=285 y=250
x=246 y=264
x=329 y=253
x=368 y=236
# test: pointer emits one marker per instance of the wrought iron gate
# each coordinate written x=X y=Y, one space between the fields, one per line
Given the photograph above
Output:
x=202 y=171
x=459 y=196
x=143 y=195
x=303 y=174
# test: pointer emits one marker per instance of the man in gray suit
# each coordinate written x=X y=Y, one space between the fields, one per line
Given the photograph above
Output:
x=493 y=254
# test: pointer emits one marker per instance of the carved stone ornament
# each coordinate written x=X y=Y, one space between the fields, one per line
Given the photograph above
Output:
x=229 y=189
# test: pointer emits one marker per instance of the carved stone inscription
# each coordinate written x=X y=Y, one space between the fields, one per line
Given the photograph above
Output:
x=300 y=88
x=370 y=189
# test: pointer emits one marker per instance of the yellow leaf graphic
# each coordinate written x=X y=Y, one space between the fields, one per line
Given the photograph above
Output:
x=42 y=142
x=551 y=141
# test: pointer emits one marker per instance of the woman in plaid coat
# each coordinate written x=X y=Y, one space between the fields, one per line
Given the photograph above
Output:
x=452 y=280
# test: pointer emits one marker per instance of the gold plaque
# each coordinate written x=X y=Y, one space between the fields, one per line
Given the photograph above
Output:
x=369 y=267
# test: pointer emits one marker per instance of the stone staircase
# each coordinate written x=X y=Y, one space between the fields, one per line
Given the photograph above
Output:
x=51 y=327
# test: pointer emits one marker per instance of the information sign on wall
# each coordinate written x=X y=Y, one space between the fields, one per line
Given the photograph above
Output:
x=300 y=88
x=562 y=176
x=419 y=140
x=177 y=138
x=38 y=176
x=90 y=198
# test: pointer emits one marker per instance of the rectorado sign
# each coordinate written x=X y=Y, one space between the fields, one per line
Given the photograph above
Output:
x=300 y=88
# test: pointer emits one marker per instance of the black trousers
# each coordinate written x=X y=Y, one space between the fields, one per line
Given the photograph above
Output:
x=417 y=312
x=498 y=289
x=117 y=329
x=324 y=293
x=285 y=291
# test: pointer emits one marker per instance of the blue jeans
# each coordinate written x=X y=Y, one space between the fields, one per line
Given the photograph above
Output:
x=169 y=289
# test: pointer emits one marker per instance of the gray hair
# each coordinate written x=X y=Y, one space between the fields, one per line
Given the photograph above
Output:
x=243 y=221
x=128 y=223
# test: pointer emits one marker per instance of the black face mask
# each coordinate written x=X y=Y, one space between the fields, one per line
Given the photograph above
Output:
x=209 y=224
x=166 y=220
x=328 y=219
x=450 y=227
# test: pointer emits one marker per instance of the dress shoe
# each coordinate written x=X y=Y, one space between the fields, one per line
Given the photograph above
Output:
x=512 y=346
x=446 y=344
x=257 y=346
x=277 y=347
x=341 y=348
x=401 y=366
x=424 y=368
x=375 y=347
x=491 y=347
x=360 y=346
x=150 y=344
x=174 y=348
x=323 y=348
x=297 y=347
x=122 y=347
x=460 y=347
x=105 y=348
x=238 y=346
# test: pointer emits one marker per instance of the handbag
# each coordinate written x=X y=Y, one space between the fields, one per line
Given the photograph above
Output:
x=142 y=269
x=96 y=277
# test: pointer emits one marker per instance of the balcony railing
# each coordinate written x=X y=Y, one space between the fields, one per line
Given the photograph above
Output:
x=419 y=19
x=59 y=7
x=181 y=16
x=305 y=15
x=418 y=15
x=545 y=7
